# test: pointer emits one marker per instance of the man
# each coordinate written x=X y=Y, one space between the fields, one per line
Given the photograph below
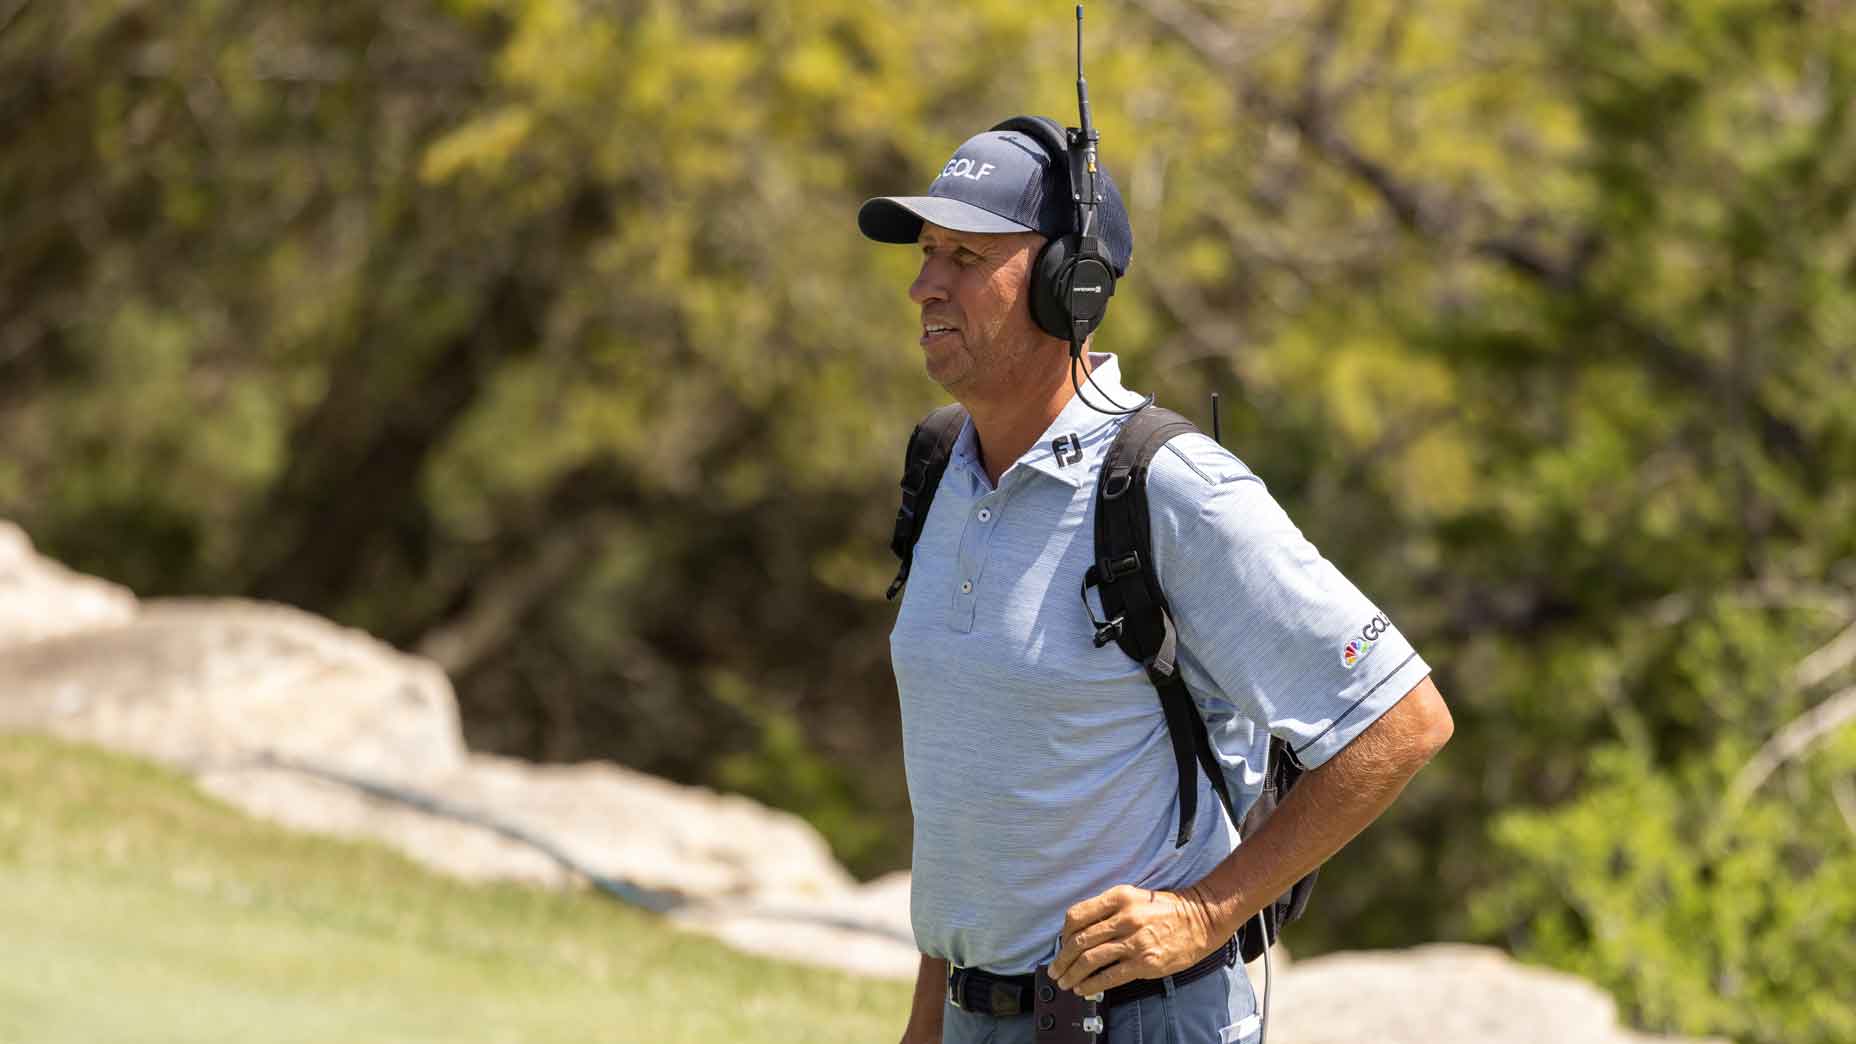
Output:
x=1039 y=766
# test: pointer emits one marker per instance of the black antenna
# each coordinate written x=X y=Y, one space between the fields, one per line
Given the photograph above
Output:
x=1082 y=141
x=1087 y=153
x=1219 y=439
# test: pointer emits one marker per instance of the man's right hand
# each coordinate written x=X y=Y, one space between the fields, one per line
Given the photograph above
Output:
x=926 y=1010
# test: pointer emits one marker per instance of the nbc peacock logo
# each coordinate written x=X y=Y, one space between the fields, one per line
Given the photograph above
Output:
x=1359 y=645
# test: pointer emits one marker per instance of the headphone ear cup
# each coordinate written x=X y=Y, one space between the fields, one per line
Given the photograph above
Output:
x=1049 y=306
x=1050 y=300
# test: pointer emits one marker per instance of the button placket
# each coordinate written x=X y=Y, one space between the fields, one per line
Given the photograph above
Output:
x=975 y=548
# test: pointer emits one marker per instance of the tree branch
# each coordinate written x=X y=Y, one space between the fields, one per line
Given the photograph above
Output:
x=507 y=596
x=1845 y=794
x=12 y=12
x=1795 y=739
x=1832 y=657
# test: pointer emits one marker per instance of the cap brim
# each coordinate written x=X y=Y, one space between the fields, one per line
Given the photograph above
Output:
x=898 y=219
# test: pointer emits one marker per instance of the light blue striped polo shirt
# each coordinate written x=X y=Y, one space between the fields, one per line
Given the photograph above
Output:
x=1039 y=767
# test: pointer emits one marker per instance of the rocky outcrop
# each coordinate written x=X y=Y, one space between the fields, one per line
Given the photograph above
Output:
x=1440 y=994
x=40 y=598
x=200 y=683
x=247 y=696
x=252 y=697
x=616 y=822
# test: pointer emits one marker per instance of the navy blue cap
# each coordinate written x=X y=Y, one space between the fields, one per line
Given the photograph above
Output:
x=1001 y=181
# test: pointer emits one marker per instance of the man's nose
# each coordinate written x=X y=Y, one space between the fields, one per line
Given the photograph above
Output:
x=930 y=284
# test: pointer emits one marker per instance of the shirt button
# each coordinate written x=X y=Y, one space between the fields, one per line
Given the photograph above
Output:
x=985 y=514
x=966 y=587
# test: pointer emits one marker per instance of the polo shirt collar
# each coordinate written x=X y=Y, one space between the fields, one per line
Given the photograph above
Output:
x=1069 y=448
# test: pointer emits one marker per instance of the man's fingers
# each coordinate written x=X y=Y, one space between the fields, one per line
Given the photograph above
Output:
x=1061 y=963
x=1133 y=935
x=1108 y=978
x=1092 y=960
x=1087 y=915
x=1075 y=943
x=1089 y=911
x=1093 y=922
x=1101 y=907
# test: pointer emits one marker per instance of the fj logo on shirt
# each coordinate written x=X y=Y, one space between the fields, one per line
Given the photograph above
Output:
x=1068 y=448
x=1359 y=645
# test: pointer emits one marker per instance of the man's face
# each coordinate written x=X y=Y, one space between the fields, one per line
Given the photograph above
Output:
x=974 y=291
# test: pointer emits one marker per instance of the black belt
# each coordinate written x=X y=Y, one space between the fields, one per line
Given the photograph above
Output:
x=984 y=993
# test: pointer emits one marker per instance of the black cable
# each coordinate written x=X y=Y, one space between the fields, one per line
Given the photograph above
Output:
x=1269 y=980
x=1076 y=358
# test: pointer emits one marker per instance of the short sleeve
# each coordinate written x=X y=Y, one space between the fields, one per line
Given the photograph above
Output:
x=1281 y=637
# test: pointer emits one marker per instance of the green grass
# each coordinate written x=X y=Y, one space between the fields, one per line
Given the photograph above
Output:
x=135 y=908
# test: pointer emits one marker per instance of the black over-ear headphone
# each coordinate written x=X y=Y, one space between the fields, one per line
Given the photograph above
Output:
x=1072 y=279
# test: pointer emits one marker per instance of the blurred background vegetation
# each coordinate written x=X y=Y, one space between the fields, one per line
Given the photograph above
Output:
x=537 y=336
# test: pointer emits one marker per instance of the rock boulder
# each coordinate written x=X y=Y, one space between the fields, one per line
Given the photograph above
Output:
x=1440 y=994
x=199 y=683
x=40 y=598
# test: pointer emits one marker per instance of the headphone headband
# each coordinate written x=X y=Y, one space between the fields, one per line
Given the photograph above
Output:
x=1055 y=141
x=1043 y=130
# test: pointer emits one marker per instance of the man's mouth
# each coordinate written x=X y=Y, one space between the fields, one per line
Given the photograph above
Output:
x=932 y=331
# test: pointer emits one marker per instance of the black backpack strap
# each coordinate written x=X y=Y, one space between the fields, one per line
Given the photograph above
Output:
x=923 y=464
x=1139 y=619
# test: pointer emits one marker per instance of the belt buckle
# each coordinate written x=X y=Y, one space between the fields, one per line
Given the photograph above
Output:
x=955 y=980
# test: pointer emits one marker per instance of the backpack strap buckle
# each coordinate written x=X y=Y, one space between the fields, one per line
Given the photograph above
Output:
x=1106 y=630
x=1112 y=569
x=1116 y=482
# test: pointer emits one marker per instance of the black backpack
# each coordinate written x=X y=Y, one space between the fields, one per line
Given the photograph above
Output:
x=1139 y=619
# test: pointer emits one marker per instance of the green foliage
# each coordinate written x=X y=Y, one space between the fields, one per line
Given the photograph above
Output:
x=783 y=769
x=536 y=335
x=1703 y=921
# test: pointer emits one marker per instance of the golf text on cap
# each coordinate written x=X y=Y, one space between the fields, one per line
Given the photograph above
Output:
x=1356 y=648
x=959 y=167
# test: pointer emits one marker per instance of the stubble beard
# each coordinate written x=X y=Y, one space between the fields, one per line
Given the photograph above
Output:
x=950 y=369
x=990 y=368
